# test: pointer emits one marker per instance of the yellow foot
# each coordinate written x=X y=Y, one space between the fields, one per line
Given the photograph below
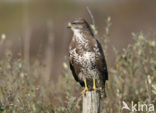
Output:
x=84 y=91
x=94 y=86
x=96 y=89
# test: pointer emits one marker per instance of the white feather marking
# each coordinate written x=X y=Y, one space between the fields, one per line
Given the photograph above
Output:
x=87 y=61
x=82 y=42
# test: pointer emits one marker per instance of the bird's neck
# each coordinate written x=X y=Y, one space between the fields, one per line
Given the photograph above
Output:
x=82 y=34
x=79 y=34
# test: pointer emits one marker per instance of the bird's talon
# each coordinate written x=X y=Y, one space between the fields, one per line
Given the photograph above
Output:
x=96 y=89
x=84 y=91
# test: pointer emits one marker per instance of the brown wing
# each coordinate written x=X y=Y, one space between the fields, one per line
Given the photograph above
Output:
x=75 y=75
x=101 y=63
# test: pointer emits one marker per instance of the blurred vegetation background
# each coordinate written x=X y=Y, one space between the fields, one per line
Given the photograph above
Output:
x=34 y=72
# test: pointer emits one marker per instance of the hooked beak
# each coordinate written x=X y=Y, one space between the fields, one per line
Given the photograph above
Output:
x=69 y=25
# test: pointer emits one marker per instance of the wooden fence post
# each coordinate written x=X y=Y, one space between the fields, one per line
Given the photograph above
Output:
x=91 y=102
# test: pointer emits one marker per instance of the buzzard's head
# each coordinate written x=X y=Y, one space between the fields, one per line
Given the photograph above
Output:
x=79 y=24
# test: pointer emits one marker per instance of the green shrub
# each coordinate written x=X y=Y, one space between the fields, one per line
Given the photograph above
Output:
x=133 y=78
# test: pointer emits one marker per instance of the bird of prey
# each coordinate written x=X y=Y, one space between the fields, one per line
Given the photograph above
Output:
x=86 y=57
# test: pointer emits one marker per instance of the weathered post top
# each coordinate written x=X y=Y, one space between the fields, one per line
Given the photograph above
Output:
x=91 y=102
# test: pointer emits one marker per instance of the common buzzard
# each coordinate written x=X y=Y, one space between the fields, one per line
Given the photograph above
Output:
x=86 y=57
